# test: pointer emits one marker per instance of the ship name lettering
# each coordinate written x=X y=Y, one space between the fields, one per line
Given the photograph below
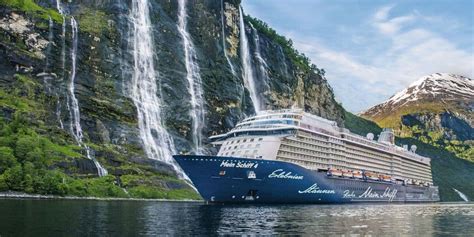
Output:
x=240 y=164
x=388 y=193
x=281 y=174
x=227 y=164
x=348 y=194
x=315 y=189
x=245 y=164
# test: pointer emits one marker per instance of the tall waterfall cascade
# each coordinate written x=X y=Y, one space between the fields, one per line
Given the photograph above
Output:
x=193 y=78
x=262 y=65
x=247 y=71
x=224 y=45
x=73 y=105
x=461 y=195
x=144 y=91
x=72 y=102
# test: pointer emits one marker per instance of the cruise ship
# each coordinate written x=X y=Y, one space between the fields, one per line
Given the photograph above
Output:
x=290 y=156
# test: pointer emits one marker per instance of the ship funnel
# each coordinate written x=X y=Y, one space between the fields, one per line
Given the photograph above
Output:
x=387 y=136
x=413 y=148
x=370 y=136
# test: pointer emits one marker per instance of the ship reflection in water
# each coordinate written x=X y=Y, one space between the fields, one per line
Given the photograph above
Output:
x=141 y=218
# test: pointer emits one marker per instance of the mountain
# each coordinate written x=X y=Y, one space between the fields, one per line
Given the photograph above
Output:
x=114 y=88
x=436 y=109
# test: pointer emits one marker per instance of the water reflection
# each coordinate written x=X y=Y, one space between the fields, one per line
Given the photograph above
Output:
x=135 y=218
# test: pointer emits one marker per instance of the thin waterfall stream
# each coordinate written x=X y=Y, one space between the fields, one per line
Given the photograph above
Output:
x=194 y=80
x=72 y=102
x=224 y=45
x=75 y=119
x=247 y=72
x=461 y=195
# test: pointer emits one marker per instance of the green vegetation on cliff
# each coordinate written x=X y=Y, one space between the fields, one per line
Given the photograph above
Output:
x=299 y=59
x=359 y=125
x=30 y=7
x=37 y=158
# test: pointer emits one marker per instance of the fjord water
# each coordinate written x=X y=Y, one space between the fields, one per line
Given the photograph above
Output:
x=150 y=218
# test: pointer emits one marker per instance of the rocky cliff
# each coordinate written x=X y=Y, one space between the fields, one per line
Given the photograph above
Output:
x=95 y=81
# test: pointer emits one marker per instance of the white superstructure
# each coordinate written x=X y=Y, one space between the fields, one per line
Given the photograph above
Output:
x=319 y=144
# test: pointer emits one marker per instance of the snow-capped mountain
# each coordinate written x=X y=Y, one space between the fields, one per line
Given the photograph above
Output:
x=438 y=91
x=437 y=109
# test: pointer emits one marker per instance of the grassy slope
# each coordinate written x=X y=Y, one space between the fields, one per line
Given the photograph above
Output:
x=448 y=170
x=393 y=119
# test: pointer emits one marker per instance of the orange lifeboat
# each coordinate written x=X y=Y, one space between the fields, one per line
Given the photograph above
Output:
x=371 y=175
x=335 y=172
x=347 y=174
x=385 y=178
x=357 y=174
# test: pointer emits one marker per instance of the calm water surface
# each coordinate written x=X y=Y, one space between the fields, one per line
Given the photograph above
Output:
x=141 y=218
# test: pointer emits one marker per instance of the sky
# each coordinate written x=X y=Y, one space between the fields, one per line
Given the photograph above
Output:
x=372 y=49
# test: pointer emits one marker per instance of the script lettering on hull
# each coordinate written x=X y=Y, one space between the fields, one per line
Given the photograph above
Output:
x=282 y=174
x=369 y=193
x=315 y=189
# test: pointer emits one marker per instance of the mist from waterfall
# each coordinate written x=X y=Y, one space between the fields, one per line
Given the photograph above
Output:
x=193 y=78
x=224 y=46
x=157 y=143
x=247 y=72
x=461 y=195
x=73 y=105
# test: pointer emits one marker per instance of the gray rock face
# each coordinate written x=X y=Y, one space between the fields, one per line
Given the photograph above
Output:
x=104 y=69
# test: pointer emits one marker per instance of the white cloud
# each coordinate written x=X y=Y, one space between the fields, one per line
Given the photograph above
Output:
x=411 y=52
x=391 y=26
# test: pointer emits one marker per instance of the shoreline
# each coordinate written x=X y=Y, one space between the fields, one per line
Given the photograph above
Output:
x=19 y=195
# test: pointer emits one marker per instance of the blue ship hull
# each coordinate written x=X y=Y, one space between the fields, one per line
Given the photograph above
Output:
x=243 y=180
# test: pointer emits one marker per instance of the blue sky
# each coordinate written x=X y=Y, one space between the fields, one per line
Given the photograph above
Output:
x=372 y=49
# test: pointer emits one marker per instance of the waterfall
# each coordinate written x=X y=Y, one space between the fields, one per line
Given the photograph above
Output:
x=50 y=43
x=247 y=72
x=283 y=61
x=47 y=72
x=63 y=60
x=75 y=118
x=262 y=65
x=462 y=195
x=194 y=80
x=224 y=47
x=157 y=143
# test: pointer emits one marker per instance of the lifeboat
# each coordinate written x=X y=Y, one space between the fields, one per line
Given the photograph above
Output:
x=335 y=172
x=347 y=174
x=357 y=174
x=371 y=176
x=385 y=178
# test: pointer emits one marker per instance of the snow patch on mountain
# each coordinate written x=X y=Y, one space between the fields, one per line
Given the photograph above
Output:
x=437 y=86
